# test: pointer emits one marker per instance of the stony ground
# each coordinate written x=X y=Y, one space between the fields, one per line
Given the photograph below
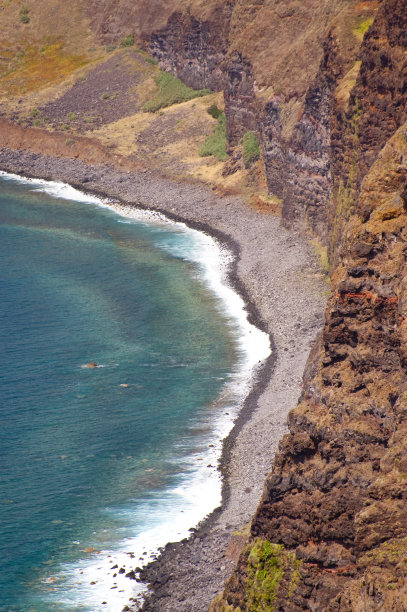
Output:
x=107 y=93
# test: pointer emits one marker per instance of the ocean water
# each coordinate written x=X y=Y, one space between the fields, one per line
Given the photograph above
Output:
x=101 y=466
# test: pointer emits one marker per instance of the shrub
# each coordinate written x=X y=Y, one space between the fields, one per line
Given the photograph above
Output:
x=23 y=14
x=151 y=60
x=71 y=116
x=251 y=149
x=110 y=48
x=128 y=41
x=363 y=27
x=214 y=111
x=35 y=112
x=107 y=96
x=215 y=144
x=171 y=91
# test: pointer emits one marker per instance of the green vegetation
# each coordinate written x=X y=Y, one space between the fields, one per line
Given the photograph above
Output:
x=150 y=60
x=110 y=48
x=214 y=111
x=35 y=112
x=265 y=572
x=251 y=149
x=127 y=41
x=215 y=144
x=321 y=252
x=268 y=564
x=23 y=14
x=107 y=96
x=363 y=27
x=171 y=91
x=71 y=116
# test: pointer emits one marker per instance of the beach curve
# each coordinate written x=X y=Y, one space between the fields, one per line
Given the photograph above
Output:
x=276 y=274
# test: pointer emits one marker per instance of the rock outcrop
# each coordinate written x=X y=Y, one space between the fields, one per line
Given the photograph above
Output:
x=278 y=65
x=331 y=530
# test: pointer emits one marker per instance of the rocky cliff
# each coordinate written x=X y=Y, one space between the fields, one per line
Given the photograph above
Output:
x=279 y=65
x=331 y=532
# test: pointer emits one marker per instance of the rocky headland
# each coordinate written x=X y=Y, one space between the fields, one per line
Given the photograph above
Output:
x=322 y=87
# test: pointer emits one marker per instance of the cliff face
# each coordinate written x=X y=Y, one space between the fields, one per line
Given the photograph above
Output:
x=278 y=65
x=331 y=530
x=336 y=498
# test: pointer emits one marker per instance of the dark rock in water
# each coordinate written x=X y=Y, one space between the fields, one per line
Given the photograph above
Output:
x=91 y=364
x=131 y=575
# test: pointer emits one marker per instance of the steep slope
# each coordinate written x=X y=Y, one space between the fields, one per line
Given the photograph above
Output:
x=330 y=532
x=279 y=65
x=336 y=498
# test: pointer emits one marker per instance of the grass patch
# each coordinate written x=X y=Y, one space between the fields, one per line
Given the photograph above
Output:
x=23 y=14
x=251 y=149
x=265 y=573
x=127 y=41
x=215 y=144
x=36 y=65
x=171 y=91
x=71 y=116
x=321 y=252
x=267 y=564
x=363 y=27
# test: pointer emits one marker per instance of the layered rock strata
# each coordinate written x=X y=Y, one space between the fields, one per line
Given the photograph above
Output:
x=334 y=511
x=278 y=67
x=331 y=531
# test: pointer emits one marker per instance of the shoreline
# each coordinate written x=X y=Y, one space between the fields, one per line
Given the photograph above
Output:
x=275 y=273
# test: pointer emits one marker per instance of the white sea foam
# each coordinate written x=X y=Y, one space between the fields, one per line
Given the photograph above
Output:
x=170 y=515
x=53 y=188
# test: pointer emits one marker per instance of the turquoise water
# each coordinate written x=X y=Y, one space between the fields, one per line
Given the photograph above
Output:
x=114 y=459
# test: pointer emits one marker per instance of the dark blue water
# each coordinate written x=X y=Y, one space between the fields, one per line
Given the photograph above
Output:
x=87 y=462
